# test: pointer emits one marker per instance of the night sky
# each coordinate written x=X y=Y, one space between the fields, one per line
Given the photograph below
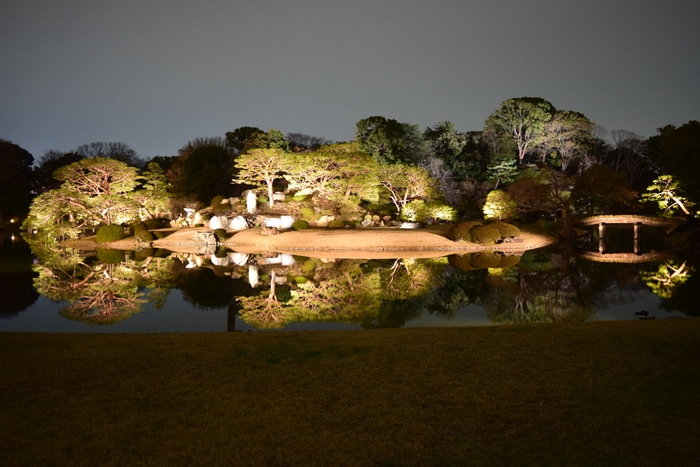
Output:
x=155 y=73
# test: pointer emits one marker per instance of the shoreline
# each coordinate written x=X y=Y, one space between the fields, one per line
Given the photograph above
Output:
x=375 y=242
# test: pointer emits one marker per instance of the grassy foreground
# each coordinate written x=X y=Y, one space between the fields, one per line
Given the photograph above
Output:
x=598 y=394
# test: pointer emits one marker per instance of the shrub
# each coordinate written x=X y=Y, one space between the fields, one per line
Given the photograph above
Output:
x=485 y=235
x=500 y=205
x=441 y=212
x=220 y=209
x=300 y=224
x=110 y=233
x=462 y=262
x=508 y=261
x=308 y=267
x=461 y=231
x=106 y=256
x=221 y=252
x=336 y=224
x=157 y=223
x=199 y=225
x=143 y=235
x=143 y=253
x=159 y=234
x=220 y=234
x=262 y=199
x=307 y=214
x=486 y=260
x=218 y=205
x=137 y=226
x=300 y=279
x=506 y=230
x=415 y=211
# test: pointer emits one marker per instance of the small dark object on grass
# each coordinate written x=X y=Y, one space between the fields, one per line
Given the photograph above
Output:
x=644 y=314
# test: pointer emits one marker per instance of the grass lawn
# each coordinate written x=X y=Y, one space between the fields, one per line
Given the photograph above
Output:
x=593 y=394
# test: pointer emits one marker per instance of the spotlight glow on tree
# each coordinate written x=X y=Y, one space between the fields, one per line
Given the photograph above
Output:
x=500 y=205
x=666 y=192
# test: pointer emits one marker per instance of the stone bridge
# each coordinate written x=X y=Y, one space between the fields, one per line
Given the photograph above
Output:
x=652 y=221
x=604 y=220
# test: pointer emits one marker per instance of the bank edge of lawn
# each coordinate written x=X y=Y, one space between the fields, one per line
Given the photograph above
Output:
x=603 y=394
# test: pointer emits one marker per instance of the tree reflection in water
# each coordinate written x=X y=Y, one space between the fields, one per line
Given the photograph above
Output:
x=273 y=290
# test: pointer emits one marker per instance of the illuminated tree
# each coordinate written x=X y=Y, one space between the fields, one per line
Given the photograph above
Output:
x=502 y=170
x=153 y=197
x=336 y=172
x=664 y=281
x=568 y=133
x=500 y=205
x=406 y=183
x=262 y=165
x=460 y=153
x=389 y=141
x=666 y=192
x=523 y=120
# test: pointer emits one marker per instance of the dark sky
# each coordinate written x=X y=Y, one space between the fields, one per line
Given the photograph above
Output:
x=157 y=73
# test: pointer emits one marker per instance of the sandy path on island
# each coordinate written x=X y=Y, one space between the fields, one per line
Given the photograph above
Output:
x=373 y=242
x=365 y=243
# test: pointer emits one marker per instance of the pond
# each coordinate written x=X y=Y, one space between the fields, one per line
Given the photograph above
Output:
x=66 y=290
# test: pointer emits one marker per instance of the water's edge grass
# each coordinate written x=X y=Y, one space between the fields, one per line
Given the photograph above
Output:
x=613 y=393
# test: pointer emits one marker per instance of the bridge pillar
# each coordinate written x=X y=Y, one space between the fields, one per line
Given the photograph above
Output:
x=602 y=231
x=601 y=237
x=637 y=237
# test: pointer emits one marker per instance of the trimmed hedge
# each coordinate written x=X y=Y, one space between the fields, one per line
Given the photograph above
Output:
x=110 y=233
x=508 y=261
x=482 y=260
x=106 y=256
x=336 y=224
x=300 y=224
x=143 y=253
x=462 y=230
x=220 y=234
x=485 y=235
x=462 y=262
x=486 y=260
x=143 y=235
x=157 y=223
x=506 y=230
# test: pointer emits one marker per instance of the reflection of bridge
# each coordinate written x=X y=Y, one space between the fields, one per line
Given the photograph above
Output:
x=625 y=257
x=603 y=221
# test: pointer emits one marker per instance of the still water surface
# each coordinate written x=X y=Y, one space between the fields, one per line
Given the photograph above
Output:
x=160 y=291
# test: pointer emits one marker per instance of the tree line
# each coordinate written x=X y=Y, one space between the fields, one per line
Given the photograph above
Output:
x=535 y=157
